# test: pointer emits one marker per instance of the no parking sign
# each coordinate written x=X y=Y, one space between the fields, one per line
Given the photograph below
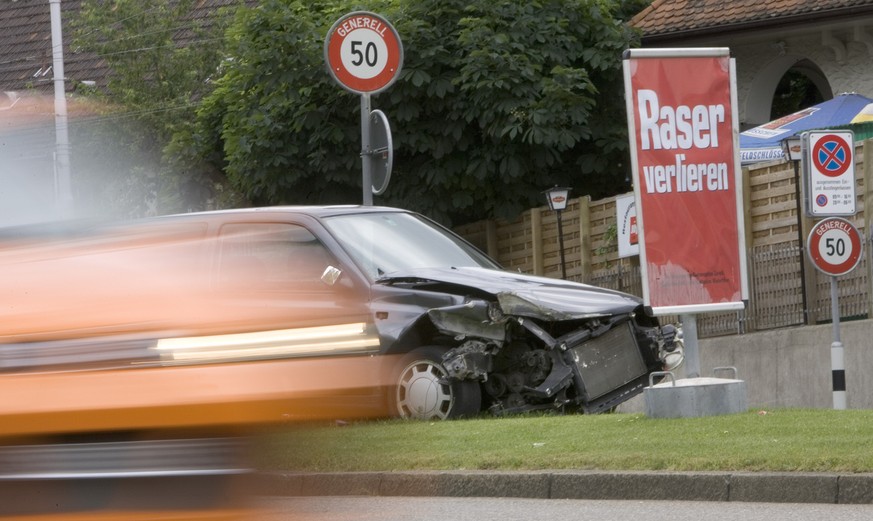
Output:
x=829 y=171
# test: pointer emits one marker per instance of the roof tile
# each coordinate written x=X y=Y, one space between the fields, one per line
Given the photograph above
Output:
x=25 y=44
x=664 y=17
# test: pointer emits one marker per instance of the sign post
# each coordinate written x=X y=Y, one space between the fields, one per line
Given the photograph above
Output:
x=364 y=55
x=684 y=142
x=834 y=246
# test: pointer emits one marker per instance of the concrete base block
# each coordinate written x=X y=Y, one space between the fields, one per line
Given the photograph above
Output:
x=695 y=397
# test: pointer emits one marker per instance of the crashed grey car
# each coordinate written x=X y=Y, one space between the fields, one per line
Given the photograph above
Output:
x=474 y=337
x=449 y=333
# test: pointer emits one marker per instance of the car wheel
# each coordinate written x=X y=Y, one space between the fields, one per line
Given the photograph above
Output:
x=423 y=391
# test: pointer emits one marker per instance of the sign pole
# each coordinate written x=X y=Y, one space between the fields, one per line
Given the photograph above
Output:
x=834 y=246
x=364 y=54
x=62 y=140
x=367 y=175
x=692 y=350
x=838 y=365
x=683 y=129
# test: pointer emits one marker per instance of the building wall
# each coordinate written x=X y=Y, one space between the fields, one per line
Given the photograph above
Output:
x=761 y=65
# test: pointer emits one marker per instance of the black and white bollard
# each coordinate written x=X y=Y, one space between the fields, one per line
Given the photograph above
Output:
x=838 y=363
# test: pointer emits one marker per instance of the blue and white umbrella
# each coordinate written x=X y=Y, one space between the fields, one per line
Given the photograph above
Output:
x=764 y=142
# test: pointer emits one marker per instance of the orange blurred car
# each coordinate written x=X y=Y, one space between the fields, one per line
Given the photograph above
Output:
x=137 y=359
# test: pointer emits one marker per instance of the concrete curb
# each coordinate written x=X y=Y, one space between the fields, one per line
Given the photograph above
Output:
x=768 y=487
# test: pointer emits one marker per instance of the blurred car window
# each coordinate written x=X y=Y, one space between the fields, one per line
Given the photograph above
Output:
x=278 y=254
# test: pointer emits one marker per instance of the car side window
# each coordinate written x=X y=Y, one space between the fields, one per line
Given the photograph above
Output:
x=270 y=255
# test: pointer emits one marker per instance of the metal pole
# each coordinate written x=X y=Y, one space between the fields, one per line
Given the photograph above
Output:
x=367 y=176
x=838 y=365
x=800 y=241
x=692 y=349
x=561 y=246
x=62 y=140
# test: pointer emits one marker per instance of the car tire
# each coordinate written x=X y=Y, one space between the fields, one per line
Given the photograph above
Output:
x=421 y=390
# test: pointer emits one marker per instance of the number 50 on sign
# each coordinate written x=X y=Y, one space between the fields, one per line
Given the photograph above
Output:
x=363 y=52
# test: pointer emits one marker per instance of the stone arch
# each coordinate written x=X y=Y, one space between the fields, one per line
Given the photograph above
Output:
x=759 y=100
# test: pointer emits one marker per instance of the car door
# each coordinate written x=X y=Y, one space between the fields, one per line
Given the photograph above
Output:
x=279 y=277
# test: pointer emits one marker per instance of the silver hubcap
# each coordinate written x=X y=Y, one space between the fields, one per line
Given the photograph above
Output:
x=420 y=394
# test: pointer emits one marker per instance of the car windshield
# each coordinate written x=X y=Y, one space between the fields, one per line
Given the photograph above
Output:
x=385 y=243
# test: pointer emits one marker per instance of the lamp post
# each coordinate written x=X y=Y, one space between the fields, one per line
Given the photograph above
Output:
x=557 y=197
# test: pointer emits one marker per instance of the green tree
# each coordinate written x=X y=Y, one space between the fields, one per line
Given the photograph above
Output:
x=496 y=102
x=161 y=56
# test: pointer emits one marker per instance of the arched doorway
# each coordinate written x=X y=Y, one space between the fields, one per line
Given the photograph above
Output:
x=783 y=86
x=800 y=87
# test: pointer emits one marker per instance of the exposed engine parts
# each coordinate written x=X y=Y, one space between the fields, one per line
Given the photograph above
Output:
x=590 y=365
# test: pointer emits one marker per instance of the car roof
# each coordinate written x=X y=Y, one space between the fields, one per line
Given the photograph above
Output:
x=86 y=227
x=315 y=211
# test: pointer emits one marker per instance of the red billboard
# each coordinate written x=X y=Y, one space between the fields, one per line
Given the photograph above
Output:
x=687 y=180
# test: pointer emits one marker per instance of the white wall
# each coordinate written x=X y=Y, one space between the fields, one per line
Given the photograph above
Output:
x=761 y=65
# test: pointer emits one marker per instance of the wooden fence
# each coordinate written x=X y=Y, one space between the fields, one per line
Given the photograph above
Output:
x=785 y=288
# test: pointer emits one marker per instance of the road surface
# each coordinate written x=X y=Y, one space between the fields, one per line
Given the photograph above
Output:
x=345 y=508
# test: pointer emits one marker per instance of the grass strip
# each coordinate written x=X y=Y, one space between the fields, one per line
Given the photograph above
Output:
x=779 y=440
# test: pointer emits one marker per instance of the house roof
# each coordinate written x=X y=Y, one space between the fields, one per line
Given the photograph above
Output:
x=26 y=50
x=26 y=46
x=669 y=19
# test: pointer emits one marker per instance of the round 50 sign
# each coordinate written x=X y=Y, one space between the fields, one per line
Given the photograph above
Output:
x=834 y=246
x=363 y=52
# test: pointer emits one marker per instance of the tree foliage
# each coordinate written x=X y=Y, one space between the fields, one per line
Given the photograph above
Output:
x=161 y=59
x=496 y=102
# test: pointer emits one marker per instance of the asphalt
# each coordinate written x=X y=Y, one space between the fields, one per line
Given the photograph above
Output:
x=769 y=487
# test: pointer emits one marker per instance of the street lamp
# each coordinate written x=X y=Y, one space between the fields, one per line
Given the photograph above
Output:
x=791 y=148
x=557 y=197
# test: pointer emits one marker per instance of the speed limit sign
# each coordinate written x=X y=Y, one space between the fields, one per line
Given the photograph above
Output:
x=363 y=52
x=834 y=246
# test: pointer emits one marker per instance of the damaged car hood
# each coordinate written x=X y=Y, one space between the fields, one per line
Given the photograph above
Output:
x=524 y=295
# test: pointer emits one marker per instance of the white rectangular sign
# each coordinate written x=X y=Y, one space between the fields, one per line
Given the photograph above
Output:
x=627 y=229
x=829 y=172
